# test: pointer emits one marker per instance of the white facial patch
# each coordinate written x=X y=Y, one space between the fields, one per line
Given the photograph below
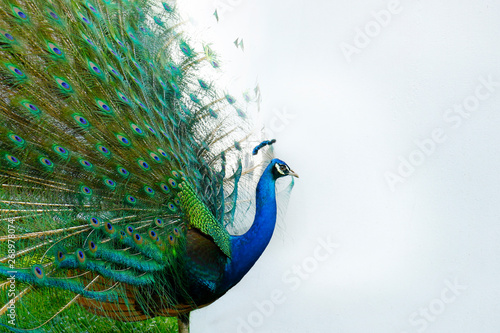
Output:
x=280 y=168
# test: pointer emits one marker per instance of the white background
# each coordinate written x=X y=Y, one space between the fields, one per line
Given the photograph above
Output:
x=351 y=120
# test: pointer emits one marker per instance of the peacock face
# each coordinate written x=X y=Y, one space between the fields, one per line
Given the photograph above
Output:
x=282 y=169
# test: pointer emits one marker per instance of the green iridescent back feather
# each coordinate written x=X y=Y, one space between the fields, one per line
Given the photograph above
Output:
x=111 y=148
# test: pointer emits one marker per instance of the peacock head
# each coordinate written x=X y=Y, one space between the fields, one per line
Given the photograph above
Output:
x=281 y=169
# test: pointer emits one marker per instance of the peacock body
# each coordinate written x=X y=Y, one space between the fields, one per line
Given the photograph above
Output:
x=120 y=168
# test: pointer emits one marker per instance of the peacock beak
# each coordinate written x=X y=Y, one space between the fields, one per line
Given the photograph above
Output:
x=292 y=173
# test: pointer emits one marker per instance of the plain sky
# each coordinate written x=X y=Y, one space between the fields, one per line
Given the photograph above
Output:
x=390 y=113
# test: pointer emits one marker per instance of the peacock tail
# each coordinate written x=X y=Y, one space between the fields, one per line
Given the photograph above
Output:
x=120 y=166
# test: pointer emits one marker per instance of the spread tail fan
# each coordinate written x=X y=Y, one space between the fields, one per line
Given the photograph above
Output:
x=120 y=168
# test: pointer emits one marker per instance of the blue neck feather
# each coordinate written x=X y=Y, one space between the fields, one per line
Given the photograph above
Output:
x=247 y=248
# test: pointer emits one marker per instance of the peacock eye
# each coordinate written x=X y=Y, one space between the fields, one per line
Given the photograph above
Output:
x=38 y=271
x=94 y=221
x=159 y=222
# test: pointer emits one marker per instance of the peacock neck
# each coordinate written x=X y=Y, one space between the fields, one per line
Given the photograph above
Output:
x=247 y=248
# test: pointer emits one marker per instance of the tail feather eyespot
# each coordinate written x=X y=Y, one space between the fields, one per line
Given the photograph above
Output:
x=123 y=140
x=122 y=97
x=172 y=182
x=149 y=191
x=60 y=256
x=138 y=239
x=129 y=230
x=109 y=228
x=38 y=271
x=92 y=247
x=111 y=184
x=143 y=165
x=55 y=50
x=80 y=256
x=137 y=130
x=12 y=160
x=85 y=164
x=130 y=199
x=165 y=188
x=61 y=151
x=95 y=222
x=153 y=235
x=123 y=172
x=46 y=162
x=32 y=108
x=16 y=71
x=94 y=69
x=159 y=222
x=85 y=190
x=155 y=157
x=104 y=107
x=20 y=13
x=64 y=85
x=16 y=139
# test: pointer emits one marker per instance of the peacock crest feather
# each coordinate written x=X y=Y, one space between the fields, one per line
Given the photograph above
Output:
x=120 y=167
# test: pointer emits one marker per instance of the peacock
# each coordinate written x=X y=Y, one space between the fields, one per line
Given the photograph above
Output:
x=123 y=169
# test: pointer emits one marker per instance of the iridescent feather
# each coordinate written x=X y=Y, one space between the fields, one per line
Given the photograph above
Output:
x=119 y=170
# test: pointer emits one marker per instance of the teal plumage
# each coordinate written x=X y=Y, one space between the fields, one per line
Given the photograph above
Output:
x=120 y=168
